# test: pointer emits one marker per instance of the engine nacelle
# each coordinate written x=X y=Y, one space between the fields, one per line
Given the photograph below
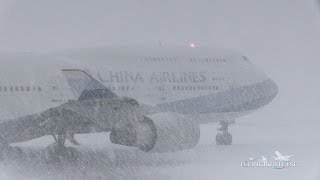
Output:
x=161 y=132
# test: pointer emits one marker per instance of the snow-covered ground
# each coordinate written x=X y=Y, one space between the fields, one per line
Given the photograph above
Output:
x=272 y=128
x=100 y=159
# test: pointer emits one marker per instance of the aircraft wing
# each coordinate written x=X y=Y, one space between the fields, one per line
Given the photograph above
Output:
x=99 y=109
x=95 y=110
x=17 y=130
x=46 y=123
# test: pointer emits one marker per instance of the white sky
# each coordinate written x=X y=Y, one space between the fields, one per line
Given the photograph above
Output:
x=39 y=25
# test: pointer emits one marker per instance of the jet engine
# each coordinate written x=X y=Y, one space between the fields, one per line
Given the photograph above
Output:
x=161 y=132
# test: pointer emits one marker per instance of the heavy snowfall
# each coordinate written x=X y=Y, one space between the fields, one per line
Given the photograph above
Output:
x=280 y=37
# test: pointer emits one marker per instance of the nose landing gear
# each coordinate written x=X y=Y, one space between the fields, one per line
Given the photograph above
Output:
x=224 y=137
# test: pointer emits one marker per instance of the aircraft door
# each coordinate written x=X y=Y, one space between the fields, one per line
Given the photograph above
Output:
x=54 y=89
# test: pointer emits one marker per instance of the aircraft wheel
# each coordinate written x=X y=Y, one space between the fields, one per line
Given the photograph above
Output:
x=57 y=154
x=224 y=138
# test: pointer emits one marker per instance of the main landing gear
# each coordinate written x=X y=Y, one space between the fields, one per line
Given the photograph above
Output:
x=224 y=137
x=58 y=152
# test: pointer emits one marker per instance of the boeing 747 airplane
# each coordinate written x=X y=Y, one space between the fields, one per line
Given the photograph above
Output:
x=150 y=98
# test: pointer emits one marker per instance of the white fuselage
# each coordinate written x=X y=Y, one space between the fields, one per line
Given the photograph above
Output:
x=159 y=77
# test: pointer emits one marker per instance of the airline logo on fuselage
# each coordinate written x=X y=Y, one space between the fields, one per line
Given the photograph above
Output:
x=155 y=77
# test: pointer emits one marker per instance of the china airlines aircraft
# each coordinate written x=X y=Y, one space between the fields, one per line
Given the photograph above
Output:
x=150 y=98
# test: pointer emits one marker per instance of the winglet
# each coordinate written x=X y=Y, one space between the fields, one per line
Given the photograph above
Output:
x=84 y=86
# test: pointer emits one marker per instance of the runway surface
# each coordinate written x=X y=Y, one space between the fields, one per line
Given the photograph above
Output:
x=100 y=159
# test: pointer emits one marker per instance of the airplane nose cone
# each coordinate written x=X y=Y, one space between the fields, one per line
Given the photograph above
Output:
x=274 y=88
x=270 y=89
x=260 y=94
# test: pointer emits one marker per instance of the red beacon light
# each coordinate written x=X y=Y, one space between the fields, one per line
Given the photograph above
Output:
x=192 y=45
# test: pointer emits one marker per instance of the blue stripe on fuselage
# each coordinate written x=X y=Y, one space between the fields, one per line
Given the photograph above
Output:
x=234 y=100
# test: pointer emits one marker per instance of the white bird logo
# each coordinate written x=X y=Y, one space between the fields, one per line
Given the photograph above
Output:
x=281 y=157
